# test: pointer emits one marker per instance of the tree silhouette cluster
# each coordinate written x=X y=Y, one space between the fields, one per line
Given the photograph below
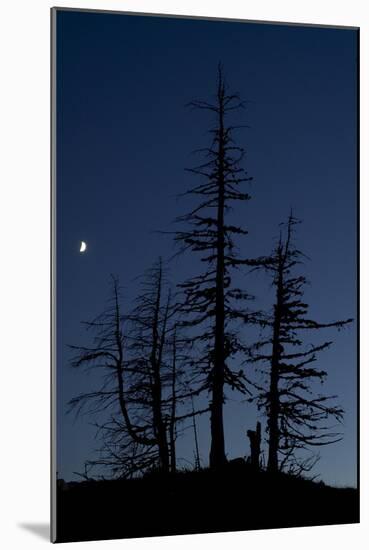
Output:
x=140 y=356
x=175 y=345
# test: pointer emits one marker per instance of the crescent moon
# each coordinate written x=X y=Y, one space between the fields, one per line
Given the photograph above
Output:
x=83 y=246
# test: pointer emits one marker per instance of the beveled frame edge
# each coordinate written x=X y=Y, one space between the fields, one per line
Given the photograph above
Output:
x=53 y=431
x=205 y=18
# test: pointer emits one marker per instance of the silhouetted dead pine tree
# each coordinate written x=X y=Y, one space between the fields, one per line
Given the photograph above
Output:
x=148 y=342
x=210 y=300
x=295 y=413
x=157 y=362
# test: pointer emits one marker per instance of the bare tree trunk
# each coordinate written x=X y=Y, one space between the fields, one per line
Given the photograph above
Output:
x=172 y=425
x=158 y=421
x=273 y=420
x=255 y=441
x=119 y=371
x=217 y=450
x=197 y=453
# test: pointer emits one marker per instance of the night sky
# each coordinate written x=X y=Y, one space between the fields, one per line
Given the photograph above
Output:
x=124 y=138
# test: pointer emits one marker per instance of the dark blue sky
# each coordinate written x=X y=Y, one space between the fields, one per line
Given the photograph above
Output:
x=124 y=137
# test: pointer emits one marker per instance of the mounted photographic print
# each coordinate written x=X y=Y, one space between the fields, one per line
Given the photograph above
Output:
x=204 y=275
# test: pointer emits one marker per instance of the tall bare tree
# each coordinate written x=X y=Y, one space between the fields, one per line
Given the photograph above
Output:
x=296 y=414
x=150 y=324
x=211 y=301
x=128 y=436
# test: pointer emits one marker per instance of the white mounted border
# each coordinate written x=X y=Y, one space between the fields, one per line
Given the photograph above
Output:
x=25 y=242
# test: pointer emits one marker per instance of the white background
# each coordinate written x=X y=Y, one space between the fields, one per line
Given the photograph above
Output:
x=24 y=268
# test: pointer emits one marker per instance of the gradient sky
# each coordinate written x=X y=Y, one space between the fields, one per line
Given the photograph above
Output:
x=124 y=137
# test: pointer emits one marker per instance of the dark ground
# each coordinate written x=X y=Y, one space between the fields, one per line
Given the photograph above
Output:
x=236 y=499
